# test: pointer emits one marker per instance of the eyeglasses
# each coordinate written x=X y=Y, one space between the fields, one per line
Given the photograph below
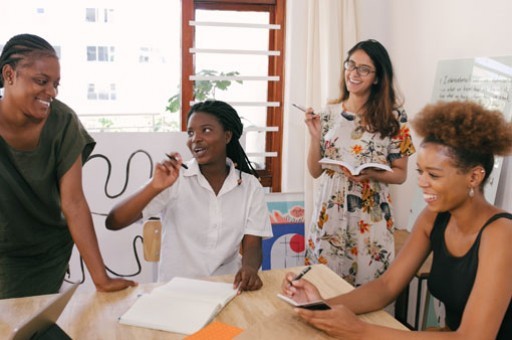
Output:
x=362 y=70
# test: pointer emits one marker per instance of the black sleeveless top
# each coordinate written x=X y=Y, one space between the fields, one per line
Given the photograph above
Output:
x=451 y=278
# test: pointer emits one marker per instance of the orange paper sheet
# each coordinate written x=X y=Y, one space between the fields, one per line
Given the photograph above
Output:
x=215 y=331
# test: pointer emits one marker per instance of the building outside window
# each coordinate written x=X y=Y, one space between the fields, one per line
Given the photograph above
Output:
x=99 y=15
x=119 y=66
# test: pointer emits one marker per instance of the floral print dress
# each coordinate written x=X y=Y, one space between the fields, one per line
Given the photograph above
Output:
x=352 y=225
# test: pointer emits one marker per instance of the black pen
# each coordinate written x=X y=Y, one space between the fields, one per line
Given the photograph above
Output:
x=174 y=159
x=302 y=273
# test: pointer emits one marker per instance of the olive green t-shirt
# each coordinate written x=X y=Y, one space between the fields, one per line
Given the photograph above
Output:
x=35 y=242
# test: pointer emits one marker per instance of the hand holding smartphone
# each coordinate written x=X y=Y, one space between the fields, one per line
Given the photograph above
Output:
x=314 y=305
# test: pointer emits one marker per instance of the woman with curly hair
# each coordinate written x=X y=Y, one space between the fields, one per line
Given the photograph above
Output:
x=470 y=238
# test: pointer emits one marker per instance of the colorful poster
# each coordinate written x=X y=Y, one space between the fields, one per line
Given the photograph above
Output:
x=286 y=248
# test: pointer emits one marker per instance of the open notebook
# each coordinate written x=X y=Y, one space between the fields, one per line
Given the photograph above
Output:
x=43 y=324
x=181 y=306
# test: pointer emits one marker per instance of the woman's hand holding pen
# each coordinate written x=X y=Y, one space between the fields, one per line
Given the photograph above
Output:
x=338 y=322
x=167 y=171
x=300 y=290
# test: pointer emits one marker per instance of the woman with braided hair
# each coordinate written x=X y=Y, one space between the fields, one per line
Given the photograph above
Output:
x=43 y=146
x=470 y=238
x=211 y=211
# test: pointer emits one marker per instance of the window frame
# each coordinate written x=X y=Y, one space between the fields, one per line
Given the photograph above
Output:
x=271 y=175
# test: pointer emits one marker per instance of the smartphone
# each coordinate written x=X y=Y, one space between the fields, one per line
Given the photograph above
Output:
x=317 y=305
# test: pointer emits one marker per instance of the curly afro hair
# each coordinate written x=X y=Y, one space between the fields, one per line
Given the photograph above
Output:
x=472 y=133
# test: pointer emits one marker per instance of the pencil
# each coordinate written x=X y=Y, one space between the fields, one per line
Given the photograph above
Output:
x=174 y=159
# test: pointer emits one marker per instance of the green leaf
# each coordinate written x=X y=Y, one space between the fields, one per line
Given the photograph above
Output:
x=203 y=89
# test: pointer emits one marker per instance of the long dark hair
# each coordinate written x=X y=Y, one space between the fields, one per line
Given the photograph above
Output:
x=230 y=121
x=21 y=47
x=383 y=100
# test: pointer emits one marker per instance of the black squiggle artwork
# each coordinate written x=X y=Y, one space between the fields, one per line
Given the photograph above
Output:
x=127 y=177
x=112 y=196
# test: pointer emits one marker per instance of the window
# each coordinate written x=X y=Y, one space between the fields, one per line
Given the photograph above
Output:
x=144 y=55
x=107 y=51
x=101 y=92
x=107 y=15
x=99 y=15
x=100 y=53
x=91 y=92
x=240 y=43
x=90 y=14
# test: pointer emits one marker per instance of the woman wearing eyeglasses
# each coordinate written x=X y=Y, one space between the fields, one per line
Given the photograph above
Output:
x=352 y=226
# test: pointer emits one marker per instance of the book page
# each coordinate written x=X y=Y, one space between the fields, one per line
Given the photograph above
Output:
x=373 y=165
x=353 y=171
x=178 y=315
x=218 y=292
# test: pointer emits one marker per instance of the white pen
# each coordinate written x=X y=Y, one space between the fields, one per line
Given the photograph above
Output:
x=303 y=109
x=299 y=107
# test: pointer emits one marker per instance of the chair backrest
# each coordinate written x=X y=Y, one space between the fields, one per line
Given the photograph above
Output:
x=152 y=234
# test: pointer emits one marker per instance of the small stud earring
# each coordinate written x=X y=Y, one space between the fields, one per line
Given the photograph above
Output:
x=471 y=192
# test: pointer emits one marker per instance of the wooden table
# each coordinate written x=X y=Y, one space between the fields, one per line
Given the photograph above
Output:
x=93 y=315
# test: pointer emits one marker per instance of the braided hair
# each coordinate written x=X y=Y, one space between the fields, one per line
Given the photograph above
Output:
x=230 y=121
x=21 y=47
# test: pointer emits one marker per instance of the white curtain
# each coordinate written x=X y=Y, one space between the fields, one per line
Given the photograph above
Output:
x=331 y=33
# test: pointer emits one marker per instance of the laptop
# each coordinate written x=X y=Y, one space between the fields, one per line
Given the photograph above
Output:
x=43 y=324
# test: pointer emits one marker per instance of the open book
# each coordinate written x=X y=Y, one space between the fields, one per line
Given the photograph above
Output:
x=354 y=170
x=312 y=305
x=181 y=306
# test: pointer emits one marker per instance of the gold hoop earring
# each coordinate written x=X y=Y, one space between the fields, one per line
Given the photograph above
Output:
x=471 y=192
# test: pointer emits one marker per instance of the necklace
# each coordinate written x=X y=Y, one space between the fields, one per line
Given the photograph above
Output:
x=350 y=115
x=347 y=107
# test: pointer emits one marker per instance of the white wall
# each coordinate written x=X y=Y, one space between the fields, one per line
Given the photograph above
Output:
x=417 y=34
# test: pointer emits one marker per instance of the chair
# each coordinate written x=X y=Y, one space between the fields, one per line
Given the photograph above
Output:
x=401 y=306
x=152 y=235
